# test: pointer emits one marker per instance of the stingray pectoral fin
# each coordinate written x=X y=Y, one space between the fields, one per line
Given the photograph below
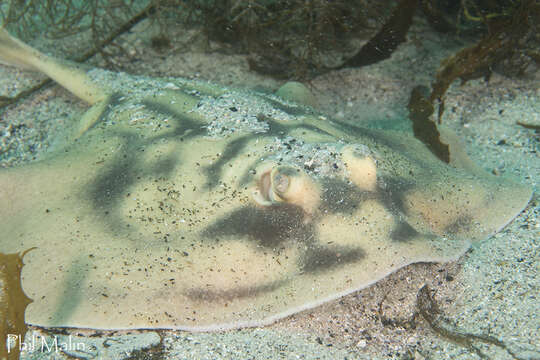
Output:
x=458 y=155
x=474 y=208
x=72 y=76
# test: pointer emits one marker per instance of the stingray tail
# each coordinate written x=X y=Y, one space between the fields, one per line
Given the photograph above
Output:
x=70 y=75
x=14 y=52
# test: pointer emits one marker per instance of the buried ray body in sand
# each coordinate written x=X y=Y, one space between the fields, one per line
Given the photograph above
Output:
x=181 y=204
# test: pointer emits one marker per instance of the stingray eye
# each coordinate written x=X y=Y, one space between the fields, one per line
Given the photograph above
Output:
x=284 y=180
x=280 y=183
x=271 y=186
x=287 y=184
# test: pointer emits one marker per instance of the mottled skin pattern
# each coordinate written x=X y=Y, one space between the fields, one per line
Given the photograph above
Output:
x=145 y=219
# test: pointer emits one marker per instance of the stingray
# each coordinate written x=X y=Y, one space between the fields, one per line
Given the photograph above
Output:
x=175 y=203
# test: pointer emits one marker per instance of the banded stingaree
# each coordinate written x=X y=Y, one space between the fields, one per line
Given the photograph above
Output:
x=182 y=204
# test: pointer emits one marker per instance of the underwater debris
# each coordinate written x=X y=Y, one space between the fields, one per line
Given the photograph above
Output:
x=393 y=33
x=436 y=16
x=283 y=38
x=428 y=308
x=58 y=19
x=13 y=302
x=297 y=38
x=407 y=323
x=505 y=38
x=425 y=130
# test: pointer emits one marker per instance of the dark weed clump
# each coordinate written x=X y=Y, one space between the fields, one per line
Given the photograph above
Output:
x=508 y=44
x=284 y=38
x=92 y=24
x=287 y=38
x=298 y=38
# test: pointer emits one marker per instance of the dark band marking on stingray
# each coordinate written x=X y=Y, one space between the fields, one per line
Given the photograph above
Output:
x=269 y=227
x=164 y=166
x=78 y=273
x=248 y=176
x=236 y=146
x=111 y=102
x=109 y=188
x=462 y=224
x=281 y=129
x=109 y=185
x=318 y=258
x=182 y=122
x=213 y=172
x=361 y=132
x=314 y=128
x=393 y=200
x=341 y=197
x=403 y=232
x=239 y=292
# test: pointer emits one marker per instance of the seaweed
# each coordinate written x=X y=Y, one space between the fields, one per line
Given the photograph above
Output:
x=291 y=39
x=283 y=38
x=97 y=48
x=437 y=17
x=393 y=33
x=428 y=308
x=298 y=39
x=13 y=302
x=505 y=38
x=407 y=323
x=61 y=18
x=420 y=112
